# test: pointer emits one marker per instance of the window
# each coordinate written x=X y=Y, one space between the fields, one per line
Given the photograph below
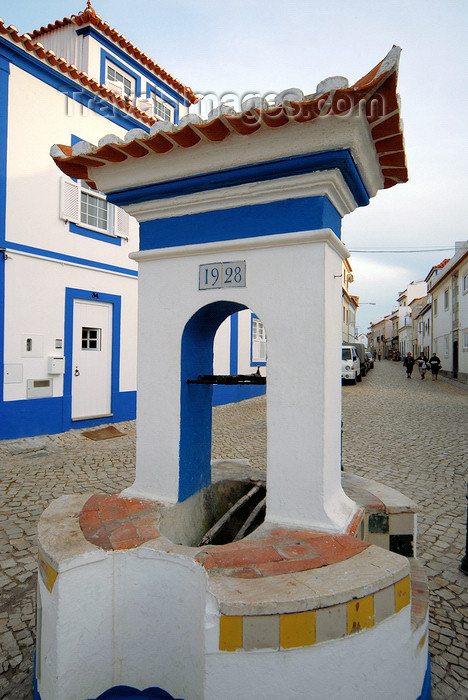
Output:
x=89 y=209
x=465 y=341
x=90 y=338
x=446 y=299
x=93 y=208
x=258 y=341
x=161 y=109
x=465 y=284
x=118 y=82
x=446 y=345
x=435 y=306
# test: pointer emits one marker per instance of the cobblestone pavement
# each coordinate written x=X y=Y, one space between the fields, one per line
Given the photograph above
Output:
x=406 y=433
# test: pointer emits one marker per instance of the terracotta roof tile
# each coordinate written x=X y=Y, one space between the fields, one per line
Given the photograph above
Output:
x=38 y=50
x=377 y=90
x=89 y=16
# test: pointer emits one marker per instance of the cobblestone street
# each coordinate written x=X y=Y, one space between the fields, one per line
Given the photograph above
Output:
x=408 y=434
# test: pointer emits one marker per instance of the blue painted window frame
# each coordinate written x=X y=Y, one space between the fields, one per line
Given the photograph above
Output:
x=150 y=88
x=106 y=56
x=252 y=363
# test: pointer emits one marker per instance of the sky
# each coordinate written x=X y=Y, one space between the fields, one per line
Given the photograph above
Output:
x=266 y=46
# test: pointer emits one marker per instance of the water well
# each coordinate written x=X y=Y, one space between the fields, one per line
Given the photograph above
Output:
x=324 y=598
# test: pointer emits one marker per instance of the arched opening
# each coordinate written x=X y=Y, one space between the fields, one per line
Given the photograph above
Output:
x=237 y=373
x=196 y=399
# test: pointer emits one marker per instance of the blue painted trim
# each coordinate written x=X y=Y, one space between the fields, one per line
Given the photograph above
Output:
x=105 y=56
x=41 y=252
x=234 y=343
x=87 y=295
x=252 y=363
x=74 y=91
x=426 y=689
x=174 y=105
x=89 y=233
x=4 y=86
x=303 y=214
x=232 y=394
x=29 y=417
x=196 y=399
x=149 y=75
x=121 y=692
x=255 y=172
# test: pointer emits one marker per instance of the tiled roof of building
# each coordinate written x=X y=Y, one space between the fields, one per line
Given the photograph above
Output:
x=375 y=94
x=437 y=267
x=36 y=49
x=89 y=16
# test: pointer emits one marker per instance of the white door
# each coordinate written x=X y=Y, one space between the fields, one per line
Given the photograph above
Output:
x=92 y=356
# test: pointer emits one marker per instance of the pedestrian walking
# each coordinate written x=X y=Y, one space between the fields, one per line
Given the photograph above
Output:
x=408 y=362
x=379 y=355
x=422 y=365
x=435 y=365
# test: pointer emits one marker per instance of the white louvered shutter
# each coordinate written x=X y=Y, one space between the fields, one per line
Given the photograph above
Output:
x=69 y=200
x=121 y=222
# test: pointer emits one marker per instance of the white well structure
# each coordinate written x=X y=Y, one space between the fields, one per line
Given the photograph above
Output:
x=324 y=599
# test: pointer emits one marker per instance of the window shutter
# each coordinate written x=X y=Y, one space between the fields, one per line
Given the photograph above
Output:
x=258 y=351
x=121 y=222
x=69 y=200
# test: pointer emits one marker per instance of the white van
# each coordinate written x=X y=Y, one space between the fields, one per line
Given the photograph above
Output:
x=350 y=365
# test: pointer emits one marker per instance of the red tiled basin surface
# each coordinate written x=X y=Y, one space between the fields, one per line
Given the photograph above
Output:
x=112 y=522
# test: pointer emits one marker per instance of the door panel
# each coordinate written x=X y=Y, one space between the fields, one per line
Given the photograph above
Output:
x=92 y=358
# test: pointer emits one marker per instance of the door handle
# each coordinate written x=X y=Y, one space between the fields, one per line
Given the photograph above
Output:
x=77 y=372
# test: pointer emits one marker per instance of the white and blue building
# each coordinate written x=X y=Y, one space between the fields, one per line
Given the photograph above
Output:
x=68 y=290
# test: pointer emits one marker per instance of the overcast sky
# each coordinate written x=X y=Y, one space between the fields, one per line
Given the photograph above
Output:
x=265 y=46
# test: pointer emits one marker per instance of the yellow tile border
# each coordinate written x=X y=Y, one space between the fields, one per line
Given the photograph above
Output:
x=360 y=614
x=298 y=629
x=230 y=632
x=402 y=593
x=48 y=574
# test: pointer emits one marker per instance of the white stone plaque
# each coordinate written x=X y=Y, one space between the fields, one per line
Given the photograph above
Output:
x=222 y=274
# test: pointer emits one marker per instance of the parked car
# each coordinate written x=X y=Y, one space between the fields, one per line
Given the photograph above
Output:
x=350 y=365
x=370 y=359
x=361 y=353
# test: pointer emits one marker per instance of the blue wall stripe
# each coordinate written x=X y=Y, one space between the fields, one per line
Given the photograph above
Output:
x=304 y=214
x=69 y=258
x=4 y=84
x=255 y=172
x=89 y=233
x=75 y=91
x=234 y=343
x=129 y=60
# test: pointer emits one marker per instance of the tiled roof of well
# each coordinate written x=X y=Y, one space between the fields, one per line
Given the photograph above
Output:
x=89 y=16
x=375 y=94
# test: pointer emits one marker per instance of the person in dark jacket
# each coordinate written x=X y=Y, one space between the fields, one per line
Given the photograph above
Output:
x=422 y=365
x=435 y=365
x=409 y=364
